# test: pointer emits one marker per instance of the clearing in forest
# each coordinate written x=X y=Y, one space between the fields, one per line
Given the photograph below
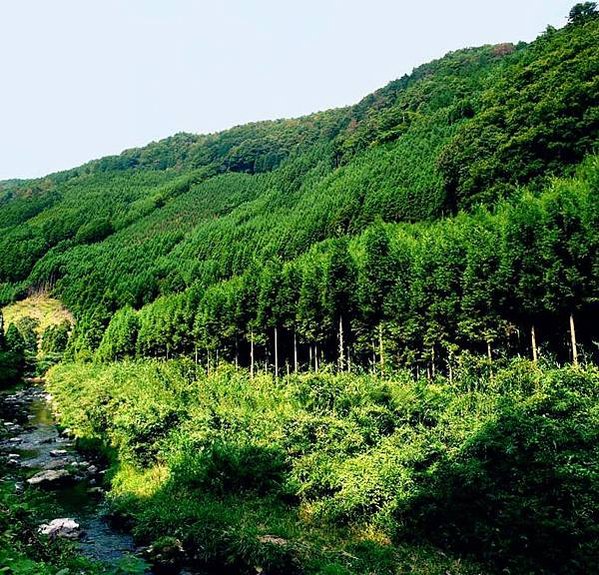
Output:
x=45 y=309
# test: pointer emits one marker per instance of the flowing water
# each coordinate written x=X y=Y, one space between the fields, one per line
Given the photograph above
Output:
x=32 y=443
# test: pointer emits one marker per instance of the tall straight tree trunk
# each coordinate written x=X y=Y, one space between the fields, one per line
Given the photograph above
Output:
x=196 y=353
x=490 y=357
x=373 y=361
x=295 y=352
x=381 y=348
x=573 y=338
x=311 y=347
x=276 y=352
x=252 y=354
x=316 y=357
x=433 y=361
x=341 y=345
x=533 y=339
x=348 y=359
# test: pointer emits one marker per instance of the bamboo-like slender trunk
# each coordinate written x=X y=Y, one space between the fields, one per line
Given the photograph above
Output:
x=381 y=348
x=373 y=360
x=341 y=345
x=433 y=361
x=252 y=354
x=295 y=352
x=489 y=355
x=316 y=357
x=196 y=353
x=311 y=355
x=573 y=339
x=276 y=352
x=533 y=339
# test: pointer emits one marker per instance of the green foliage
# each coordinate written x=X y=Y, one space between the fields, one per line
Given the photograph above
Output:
x=198 y=209
x=419 y=293
x=11 y=362
x=94 y=231
x=15 y=342
x=11 y=367
x=330 y=228
x=28 y=327
x=56 y=337
x=119 y=339
x=437 y=220
x=538 y=114
x=343 y=471
x=582 y=12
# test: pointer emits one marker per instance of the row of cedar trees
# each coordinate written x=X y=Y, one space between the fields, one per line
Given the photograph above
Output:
x=398 y=295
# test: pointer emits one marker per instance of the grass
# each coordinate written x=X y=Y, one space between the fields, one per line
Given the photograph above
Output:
x=349 y=474
x=40 y=306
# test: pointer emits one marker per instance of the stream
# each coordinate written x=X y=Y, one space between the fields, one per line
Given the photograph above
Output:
x=36 y=455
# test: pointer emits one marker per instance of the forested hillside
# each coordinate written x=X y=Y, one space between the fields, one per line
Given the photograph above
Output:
x=420 y=221
x=337 y=344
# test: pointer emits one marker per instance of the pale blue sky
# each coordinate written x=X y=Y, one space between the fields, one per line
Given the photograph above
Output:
x=81 y=79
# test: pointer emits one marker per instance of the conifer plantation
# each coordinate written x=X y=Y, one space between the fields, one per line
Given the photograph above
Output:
x=363 y=341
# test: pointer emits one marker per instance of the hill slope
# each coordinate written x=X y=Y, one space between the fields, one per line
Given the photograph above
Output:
x=183 y=214
x=381 y=270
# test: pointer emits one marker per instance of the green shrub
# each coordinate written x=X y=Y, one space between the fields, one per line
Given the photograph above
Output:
x=501 y=466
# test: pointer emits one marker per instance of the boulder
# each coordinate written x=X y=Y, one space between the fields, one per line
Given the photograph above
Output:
x=13 y=461
x=51 y=478
x=63 y=527
x=58 y=452
x=272 y=540
x=166 y=555
x=96 y=491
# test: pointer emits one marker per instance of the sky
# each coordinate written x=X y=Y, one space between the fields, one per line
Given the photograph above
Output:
x=81 y=79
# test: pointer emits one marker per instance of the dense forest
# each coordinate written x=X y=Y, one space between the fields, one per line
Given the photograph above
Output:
x=340 y=319
x=425 y=220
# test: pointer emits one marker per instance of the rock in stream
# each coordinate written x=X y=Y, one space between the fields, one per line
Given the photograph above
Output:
x=51 y=479
x=35 y=455
x=63 y=527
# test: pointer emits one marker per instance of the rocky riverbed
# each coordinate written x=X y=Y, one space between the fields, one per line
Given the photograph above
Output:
x=36 y=455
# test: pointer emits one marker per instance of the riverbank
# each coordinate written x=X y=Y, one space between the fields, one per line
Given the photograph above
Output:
x=51 y=496
x=347 y=474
